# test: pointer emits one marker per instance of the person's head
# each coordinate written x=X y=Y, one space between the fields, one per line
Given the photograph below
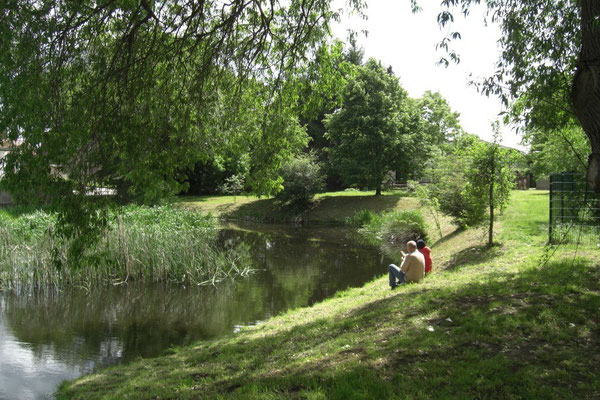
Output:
x=411 y=246
x=420 y=244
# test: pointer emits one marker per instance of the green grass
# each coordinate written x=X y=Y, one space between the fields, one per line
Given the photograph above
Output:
x=488 y=323
x=327 y=208
x=151 y=244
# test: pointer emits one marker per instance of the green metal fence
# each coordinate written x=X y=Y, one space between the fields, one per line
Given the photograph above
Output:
x=574 y=210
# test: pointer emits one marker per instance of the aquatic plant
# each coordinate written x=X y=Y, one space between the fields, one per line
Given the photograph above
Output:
x=361 y=218
x=154 y=244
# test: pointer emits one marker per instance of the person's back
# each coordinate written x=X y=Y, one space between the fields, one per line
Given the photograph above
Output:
x=426 y=251
x=413 y=267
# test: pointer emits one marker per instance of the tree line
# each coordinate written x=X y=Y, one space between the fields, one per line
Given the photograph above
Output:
x=142 y=96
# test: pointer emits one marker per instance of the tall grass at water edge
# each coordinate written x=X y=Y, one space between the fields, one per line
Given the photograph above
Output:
x=395 y=227
x=154 y=244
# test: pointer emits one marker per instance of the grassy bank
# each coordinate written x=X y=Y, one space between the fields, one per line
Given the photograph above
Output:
x=327 y=208
x=158 y=244
x=489 y=323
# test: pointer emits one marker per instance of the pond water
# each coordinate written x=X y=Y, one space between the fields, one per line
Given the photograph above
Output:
x=47 y=336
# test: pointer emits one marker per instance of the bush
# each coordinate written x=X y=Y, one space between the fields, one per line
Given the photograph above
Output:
x=302 y=179
x=392 y=227
x=449 y=190
x=455 y=202
x=361 y=218
x=234 y=185
x=401 y=226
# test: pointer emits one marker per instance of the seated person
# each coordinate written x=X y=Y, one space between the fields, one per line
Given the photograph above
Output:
x=426 y=251
x=412 y=268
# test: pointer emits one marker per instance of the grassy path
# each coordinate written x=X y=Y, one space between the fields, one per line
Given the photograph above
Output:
x=490 y=323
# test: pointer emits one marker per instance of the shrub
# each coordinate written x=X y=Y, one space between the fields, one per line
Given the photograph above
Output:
x=392 y=227
x=234 y=185
x=302 y=179
x=449 y=188
x=361 y=218
x=402 y=226
x=428 y=201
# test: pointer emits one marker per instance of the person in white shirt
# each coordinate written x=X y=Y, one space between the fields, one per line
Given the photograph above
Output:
x=412 y=268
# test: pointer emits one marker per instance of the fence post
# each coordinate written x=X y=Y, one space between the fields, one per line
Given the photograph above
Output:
x=550 y=211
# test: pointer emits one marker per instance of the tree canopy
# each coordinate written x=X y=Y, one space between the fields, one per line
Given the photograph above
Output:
x=121 y=94
x=126 y=94
x=372 y=132
x=550 y=60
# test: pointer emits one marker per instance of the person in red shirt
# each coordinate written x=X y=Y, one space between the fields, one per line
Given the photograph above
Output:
x=426 y=251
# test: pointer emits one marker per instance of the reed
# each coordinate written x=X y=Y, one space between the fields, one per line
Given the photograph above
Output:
x=152 y=244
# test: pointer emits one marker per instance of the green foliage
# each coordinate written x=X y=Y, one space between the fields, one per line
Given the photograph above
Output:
x=361 y=218
x=558 y=150
x=322 y=82
x=438 y=126
x=372 y=133
x=549 y=53
x=152 y=244
x=429 y=201
x=233 y=185
x=463 y=176
x=354 y=54
x=396 y=227
x=449 y=182
x=440 y=123
x=205 y=177
x=490 y=178
x=126 y=95
x=302 y=179
x=401 y=226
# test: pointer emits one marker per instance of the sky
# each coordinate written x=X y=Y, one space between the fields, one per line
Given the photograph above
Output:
x=406 y=41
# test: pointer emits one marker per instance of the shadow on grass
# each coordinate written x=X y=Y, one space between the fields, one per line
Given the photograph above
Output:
x=532 y=334
x=330 y=209
x=472 y=255
x=449 y=236
x=191 y=199
x=373 y=203
x=263 y=210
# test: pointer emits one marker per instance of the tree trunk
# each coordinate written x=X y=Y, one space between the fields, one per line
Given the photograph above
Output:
x=492 y=172
x=378 y=191
x=586 y=86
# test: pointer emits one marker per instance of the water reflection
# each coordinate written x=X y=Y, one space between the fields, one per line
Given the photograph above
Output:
x=48 y=336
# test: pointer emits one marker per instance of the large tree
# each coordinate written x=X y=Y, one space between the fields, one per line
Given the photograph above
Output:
x=371 y=133
x=551 y=54
x=439 y=126
x=120 y=93
x=123 y=94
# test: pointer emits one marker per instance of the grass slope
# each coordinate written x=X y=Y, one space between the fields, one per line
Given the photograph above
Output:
x=328 y=208
x=489 y=323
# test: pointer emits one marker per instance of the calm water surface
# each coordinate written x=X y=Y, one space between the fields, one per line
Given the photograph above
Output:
x=46 y=337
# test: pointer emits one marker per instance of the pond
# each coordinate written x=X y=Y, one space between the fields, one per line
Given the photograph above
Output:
x=48 y=336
